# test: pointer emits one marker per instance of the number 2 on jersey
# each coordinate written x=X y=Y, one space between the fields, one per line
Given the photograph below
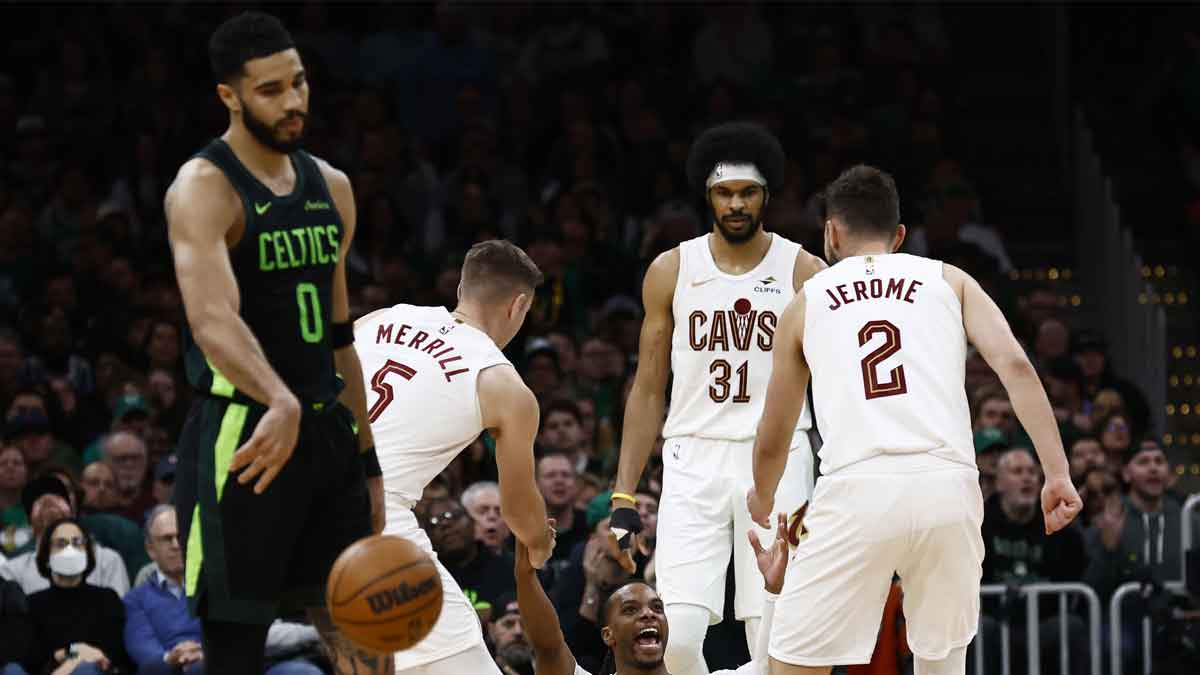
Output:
x=381 y=387
x=873 y=386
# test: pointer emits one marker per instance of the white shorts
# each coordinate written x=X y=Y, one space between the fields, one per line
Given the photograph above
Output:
x=702 y=518
x=457 y=628
x=862 y=528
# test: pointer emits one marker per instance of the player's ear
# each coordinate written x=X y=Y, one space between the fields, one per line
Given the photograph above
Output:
x=229 y=97
x=898 y=238
x=607 y=636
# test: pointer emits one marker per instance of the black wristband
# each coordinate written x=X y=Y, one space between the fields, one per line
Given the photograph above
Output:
x=628 y=520
x=341 y=333
x=371 y=463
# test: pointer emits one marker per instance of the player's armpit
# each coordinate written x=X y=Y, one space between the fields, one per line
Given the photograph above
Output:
x=647 y=398
x=784 y=402
x=346 y=657
x=510 y=412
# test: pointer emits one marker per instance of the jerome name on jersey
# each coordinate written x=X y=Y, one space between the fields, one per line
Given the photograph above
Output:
x=896 y=289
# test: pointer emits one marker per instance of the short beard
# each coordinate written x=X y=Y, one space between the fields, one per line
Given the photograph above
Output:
x=266 y=135
x=737 y=237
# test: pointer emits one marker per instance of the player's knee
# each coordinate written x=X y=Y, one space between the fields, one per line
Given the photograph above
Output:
x=685 y=646
x=955 y=663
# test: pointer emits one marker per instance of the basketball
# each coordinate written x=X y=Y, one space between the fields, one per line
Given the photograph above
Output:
x=384 y=593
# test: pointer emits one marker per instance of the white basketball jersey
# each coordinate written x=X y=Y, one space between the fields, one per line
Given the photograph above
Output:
x=420 y=367
x=721 y=345
x=884 y=337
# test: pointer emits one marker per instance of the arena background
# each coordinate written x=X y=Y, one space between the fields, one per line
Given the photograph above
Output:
x=1052 y=150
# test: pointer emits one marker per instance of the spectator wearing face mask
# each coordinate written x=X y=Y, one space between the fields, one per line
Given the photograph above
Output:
x=77 y=625
x=50 y=505
x=109 y=530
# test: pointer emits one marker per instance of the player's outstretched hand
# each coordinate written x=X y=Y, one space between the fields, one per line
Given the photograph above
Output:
x=1060 y=503
x=772 y=562
x=624 y=525
x=760 y=509
x=271 y=446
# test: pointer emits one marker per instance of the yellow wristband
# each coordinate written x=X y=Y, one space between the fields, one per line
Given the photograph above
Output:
x=622 y=495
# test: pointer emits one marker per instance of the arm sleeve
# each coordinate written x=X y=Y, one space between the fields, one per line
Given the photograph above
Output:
x=141 y=641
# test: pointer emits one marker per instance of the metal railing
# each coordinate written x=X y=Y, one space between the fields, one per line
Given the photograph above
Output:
x=1132 y=587
x=1032 y=593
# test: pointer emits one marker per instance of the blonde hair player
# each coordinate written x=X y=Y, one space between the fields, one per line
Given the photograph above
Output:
x=436 y=380
x=885 y=335
x=712 y=305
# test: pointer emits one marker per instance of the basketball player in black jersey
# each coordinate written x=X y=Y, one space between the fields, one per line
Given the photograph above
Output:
x=272 y=482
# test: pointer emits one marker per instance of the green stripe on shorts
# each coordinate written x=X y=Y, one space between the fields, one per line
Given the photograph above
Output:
x=232 y=424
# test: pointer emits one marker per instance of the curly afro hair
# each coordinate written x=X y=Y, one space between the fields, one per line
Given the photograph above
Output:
x=742 y=142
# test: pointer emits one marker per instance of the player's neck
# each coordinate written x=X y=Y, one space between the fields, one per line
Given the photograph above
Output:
x=258 y=158
x=475 y=317
x=739 y=257
x=867 y=248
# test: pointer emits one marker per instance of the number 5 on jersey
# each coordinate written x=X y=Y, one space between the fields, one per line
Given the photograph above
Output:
x=380 y=386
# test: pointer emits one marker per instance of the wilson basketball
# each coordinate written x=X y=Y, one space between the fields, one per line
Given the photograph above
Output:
x=384 y=593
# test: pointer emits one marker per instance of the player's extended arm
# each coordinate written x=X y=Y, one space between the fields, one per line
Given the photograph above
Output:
x=989 y=331
x=550 y=652
x=201 y=207
x=647 y=397
x=354 y=395
x=785 y=398
x=510 y=412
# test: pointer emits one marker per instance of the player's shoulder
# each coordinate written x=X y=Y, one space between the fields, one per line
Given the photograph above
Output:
x=201 y=173
x=370 y=317
x=503 y=394
x=335 y=177
x=201 y=184
x=807 y=266
x=664 y=269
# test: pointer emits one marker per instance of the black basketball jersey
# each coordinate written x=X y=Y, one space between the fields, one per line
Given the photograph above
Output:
x=284 y=266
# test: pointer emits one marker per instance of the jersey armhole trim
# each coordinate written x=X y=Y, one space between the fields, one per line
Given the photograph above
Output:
x=247 y=224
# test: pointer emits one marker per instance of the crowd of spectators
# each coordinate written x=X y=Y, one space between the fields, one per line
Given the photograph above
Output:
x=563 y=128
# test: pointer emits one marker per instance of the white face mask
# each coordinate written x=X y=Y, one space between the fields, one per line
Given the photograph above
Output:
x=69 y=562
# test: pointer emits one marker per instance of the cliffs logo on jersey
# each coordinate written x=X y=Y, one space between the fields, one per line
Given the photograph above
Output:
x=740 y=327
x=765 y=286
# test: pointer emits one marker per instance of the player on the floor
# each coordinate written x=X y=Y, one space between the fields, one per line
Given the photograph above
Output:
x=259 y=232
x=436 y=380
x=712 y=305
x=633 y=621
x=885 y=337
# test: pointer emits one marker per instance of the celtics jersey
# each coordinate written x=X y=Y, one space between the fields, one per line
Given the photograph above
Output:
x=284 y=266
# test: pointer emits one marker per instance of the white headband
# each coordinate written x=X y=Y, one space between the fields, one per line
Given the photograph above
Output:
x=724 y=171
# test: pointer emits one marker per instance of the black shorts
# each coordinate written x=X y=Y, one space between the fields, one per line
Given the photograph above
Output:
x=246 y=554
